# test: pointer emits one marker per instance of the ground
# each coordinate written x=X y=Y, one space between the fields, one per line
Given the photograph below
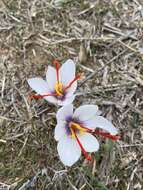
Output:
x=105 y=39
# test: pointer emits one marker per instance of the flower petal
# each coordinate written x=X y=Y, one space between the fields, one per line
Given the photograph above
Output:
x=72 y=89
x=67 y=72
x=51 y=77
x=68 y=150
x=65 y=112
x=89 y=142
x=51 y=99
x=85 y=112
x=67 y=100
x=103 y=123
x=91 y=123
x=39 y=85
x=60 y=130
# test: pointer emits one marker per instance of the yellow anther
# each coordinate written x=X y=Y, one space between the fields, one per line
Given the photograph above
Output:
x=72 y=133
x=59 y=88
x=76 y=126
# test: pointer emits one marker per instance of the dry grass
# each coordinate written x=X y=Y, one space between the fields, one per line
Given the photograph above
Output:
x=105 y=38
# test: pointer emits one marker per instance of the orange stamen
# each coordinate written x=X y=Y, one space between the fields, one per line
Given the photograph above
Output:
x=57 y=65
x=87 y=129
x=70 y=84
x=82 y=149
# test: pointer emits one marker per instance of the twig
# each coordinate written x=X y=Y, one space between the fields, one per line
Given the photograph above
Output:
x=97 y=71
x=131 y=145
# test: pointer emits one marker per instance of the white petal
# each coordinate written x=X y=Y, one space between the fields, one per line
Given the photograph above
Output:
x=85 y=112
x=65 y=112
x=72 y=89
x=68 y=150
x=51 y=77
x=89 y=142
x=101 y=122
x=68 y=100
x=91 y=123
x=67 y=72
x=60 y=130
x=51 y=99
x=39 y=85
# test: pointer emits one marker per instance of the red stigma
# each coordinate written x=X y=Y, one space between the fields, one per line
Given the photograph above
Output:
x=70 y=84
x=82 y=149
x=104 y=134
x=41 y=96
x=57 y=65
x=107 y=135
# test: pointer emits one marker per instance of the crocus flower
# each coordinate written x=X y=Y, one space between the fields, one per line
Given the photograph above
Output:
x=59 y=86
x=75 y=132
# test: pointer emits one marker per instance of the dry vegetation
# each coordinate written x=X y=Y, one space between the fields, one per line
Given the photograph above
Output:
x=105 y=38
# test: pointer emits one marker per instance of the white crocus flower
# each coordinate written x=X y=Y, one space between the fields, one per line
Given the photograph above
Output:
x=59 y=86
x=75 y=132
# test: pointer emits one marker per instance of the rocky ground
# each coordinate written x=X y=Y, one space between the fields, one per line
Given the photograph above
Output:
x=105 y=39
